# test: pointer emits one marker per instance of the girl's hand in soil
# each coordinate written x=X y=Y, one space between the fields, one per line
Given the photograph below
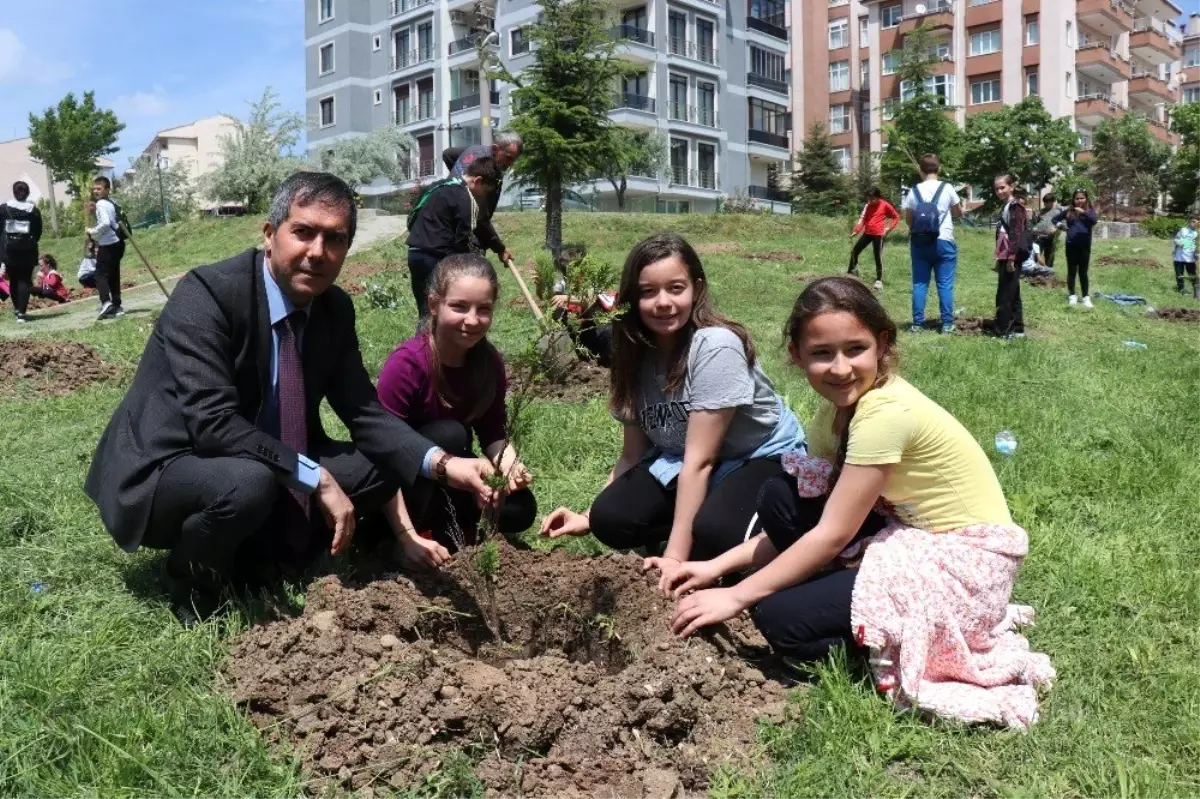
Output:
x=471 y=475
x=668 y=569
x=564 y=521
x=703 y=608
x=692 y=576
x=422 y=552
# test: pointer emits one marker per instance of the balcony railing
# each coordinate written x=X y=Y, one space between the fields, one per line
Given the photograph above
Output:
x=698 y=115
x=767 y=193
x=411 y=58
x=763 y=137
x=769 y=28
x=693 y=178
x=1152 y=24
x=696 y=51
x=471 y=101
x=633 y=33
x=420 y=169
x=408 y=114
x=467 y=43
x=765 y=82
x=398 y=7
x=636 y=102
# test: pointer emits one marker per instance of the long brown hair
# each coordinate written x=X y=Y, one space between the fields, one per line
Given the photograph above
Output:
x=1072 y=213
x=849 y=294
x=632 y=342
x=482 y=362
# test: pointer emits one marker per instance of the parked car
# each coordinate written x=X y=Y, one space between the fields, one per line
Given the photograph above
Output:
x=534 y=200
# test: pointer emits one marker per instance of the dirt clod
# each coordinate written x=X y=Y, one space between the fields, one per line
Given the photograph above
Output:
x=1190 y=315
x=50 y=368
x=577 y=697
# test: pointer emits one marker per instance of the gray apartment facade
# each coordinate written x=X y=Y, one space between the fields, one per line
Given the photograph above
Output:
x=713 y=80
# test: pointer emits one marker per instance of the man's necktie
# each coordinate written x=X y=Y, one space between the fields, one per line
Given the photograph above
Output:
x=293 y=425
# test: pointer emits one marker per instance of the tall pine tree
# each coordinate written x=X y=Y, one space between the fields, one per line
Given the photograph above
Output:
x=818 y=184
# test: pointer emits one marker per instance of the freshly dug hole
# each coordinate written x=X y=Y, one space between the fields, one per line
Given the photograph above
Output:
x=587 y=693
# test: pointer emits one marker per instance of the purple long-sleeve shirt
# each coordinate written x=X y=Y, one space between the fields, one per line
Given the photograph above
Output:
x=406 y=388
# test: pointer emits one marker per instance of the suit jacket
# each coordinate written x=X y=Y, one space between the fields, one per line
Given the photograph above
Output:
x=200 y=386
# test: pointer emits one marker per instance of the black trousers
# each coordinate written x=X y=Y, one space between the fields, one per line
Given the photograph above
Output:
x=217 y=515
x=807 y=620
x=1079 y=257
x=441 y=509
x=876 y=243
x=596 y=339
x=20 y=265
x=1048 y=245
x=108 y=272
x=1010 y=313
x=1180 y=268
x=420 y=270
x=46 y=294
x=635 y=510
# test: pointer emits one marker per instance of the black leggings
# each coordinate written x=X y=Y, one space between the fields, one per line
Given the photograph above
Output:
x=807 y=620
x=635 y=510
x=108 y=272
x=1079 y=255
x=437 y=508
x=1180 y=268
x=876 y=243
x=420 y=270
x=20 y=264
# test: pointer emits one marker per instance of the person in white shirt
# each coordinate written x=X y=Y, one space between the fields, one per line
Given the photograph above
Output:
x=110 y=249
x=937 y=257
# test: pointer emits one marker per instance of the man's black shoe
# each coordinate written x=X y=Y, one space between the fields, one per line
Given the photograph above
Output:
x=191 y=604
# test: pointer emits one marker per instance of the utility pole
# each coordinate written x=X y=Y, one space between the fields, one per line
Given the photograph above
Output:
x=485 y=89
x=53 y=201
x=162 y=199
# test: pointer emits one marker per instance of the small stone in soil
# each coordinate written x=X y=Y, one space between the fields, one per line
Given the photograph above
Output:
x=325 y=620
x=389 y=641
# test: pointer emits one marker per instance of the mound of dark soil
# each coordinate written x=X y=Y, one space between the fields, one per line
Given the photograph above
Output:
x=575 y=381
x=1190 y=315
x=583 y=691
x=1046 y=282
x=1124 y=260
x=50 y=368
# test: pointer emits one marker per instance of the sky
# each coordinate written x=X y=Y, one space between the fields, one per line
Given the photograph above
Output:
x=156 y=63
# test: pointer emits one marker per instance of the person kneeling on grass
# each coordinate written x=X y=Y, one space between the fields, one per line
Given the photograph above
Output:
x=447 y=382
x=899 y=487
x=50 y=284
x=703 y=426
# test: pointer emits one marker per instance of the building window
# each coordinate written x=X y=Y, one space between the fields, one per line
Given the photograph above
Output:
x=328 y=118
x=985 y=42
x=376 y=44
x=1032 y=33
x=888 y=110
x=842 y=156
x=768 y=117
x=890 y=16
x=324 y=10
x=772 y=11
x=863 y=38
x=890 y=62
x=940 y=85
x=378 y=97
x=679 y=98
x=839 y=118
x=517 y=42
x=1191 y=94
x=765 y=63
x=839 y=34
x=1070 y=37
x=985 y=91
x=839 y=76
x=864 y=120
x=1070 y=85
x=1191 y=56
x=864 y=73
x=1031 y=82
x=325 y=59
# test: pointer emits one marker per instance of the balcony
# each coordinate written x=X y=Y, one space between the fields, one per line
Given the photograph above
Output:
x=764 y=82
x=634 y=102
x=1155 y=42
x=704 y=52
x=412 y=58
x=471 y=101
x=767 y=193
x=1109 y=17
x=467 y=44
x=1162 y=132
x=1150 y=89
x=399 y=7
x=634 y=34
x=769 y=28
x=412 y=114
x=697 y=115
x=770 y=139
x=1101 y=64
x=693 y=178
x=419 y=170
x=938 y=17
x=1092 y=109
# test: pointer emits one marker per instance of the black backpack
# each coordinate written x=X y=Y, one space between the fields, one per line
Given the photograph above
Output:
x=926 y=219
x=122 y=227
x=18 y=228
x=1021 y=246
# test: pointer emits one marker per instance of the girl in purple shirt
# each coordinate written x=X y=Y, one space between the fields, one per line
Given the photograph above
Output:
x=448 y=383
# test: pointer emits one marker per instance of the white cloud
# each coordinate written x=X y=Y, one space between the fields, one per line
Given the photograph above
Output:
x=18 y=66
x=142 y=104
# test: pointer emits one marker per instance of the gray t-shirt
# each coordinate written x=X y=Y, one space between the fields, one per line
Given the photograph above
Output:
x=717 y=377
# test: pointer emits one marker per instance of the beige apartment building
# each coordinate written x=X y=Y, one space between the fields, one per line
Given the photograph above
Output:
x=196 y=144
x=17 y=164
x=1088 y=59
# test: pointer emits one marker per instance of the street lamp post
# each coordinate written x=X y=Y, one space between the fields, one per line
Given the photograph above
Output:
x=162 y=197
x=485 y=89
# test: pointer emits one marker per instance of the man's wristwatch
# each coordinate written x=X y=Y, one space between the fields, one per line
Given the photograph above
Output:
x=439 y=468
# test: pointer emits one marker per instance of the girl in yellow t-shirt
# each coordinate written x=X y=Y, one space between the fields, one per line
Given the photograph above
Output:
x=885 y=440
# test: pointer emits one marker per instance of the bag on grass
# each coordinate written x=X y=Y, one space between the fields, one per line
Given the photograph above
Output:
x=927 y=220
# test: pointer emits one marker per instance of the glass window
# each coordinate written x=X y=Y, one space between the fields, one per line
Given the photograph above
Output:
x=324 y=10
x=327 y=115
x=940 y=85
x=839 y=34
x=1070 y=85
x=839 y=76
x=518 y=42
x=378 y=98
x=377 y=44
x=890 y=16
x=1070 y=38
x=985 y=42
x=889 y=109
x=842 y=156
x=864 y=120
x=863 y=37
x=771 y=11
x=1191 y=56
x=1031 y=82
x=1032 y=34
x=679 y=91
x=766 y=63
x=864 y=73
x=768 y=117
x=985 y=91
x=890 y=62
x=839 y=118
x=326 y=59
x=1191 y=94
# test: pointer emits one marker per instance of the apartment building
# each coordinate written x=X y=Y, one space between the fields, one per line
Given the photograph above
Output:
x=1090 y=60
x=16 y=163
x=197 y=145
x=1189 y=74
x=712 y=79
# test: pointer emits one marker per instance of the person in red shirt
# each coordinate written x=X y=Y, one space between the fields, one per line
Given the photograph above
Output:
x=878 y=219
x=49 y=284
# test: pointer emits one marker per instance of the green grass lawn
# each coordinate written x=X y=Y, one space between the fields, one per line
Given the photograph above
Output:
x=102 y=693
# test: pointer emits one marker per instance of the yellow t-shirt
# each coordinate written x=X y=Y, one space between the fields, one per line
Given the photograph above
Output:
x=942 y=479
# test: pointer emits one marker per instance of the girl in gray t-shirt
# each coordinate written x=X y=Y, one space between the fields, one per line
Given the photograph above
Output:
x=703 y=426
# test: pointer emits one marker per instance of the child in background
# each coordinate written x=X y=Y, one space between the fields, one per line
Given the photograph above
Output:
x=50 y=284
x=1011 y=251
x=1185 y=256
x=87 y=267
x=1080 y=219
x=895 y=539
x=878 y=219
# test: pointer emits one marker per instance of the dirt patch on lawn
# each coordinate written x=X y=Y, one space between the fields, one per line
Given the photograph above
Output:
x=1188 y=315
x=576 y=381
x=974 y=326
x=718 y=247
x=1124 y=260
x=583 y=691
x=1046 y=282
x=775 y=256
x=50 y=368
x=369 y=268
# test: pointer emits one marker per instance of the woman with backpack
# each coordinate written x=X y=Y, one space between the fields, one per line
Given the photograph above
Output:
x=21 y=223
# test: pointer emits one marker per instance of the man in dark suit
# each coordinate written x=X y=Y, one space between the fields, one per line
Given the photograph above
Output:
x=217 y=452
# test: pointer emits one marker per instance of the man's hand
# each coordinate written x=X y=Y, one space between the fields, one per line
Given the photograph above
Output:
x=565 y=521
x=559 y=301
x=471 y=475
x=507 y=256
x=338 y=510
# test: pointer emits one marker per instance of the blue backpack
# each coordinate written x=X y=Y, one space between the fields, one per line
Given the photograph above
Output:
x=927 y=221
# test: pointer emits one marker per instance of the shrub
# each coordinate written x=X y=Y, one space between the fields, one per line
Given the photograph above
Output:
x=1163 y=227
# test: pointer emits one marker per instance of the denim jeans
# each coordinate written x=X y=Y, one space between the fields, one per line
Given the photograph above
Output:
x=940 y=260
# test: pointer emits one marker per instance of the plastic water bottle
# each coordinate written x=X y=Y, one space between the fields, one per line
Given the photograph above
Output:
x=1006 y=442
x=1135 y=345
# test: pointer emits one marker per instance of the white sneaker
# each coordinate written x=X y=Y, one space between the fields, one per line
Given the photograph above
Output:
x=1087 y=302
x=107 y=311
x=1072 y=300
x=879 y=285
